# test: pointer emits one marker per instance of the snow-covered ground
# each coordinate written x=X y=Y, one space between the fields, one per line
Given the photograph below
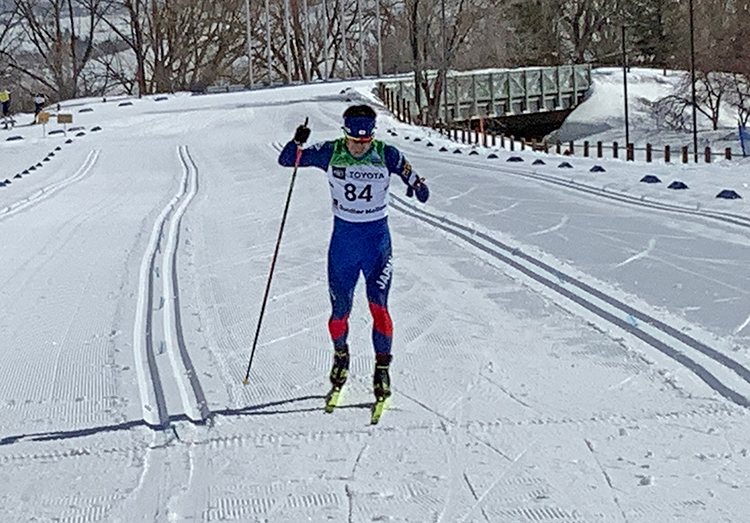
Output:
x=569 y=345
x=602 y=116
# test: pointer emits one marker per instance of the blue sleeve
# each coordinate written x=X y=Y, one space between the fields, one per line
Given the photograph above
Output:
x=397 y=164
x=318 y=155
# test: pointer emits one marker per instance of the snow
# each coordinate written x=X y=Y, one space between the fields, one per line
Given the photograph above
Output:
x=568 y=345
x=602 y=116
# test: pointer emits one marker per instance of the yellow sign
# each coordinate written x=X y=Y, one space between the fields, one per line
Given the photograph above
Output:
x=64 y=118
x=42 y=117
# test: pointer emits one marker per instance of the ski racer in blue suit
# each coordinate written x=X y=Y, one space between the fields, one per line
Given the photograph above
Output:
x=359 y=170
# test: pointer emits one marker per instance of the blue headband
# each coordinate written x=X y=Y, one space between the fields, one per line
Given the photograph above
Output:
x=359 y=126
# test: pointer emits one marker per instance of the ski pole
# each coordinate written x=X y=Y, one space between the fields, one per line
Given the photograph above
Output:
x=273 y=261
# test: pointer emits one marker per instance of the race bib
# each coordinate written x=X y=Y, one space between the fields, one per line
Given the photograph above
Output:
x=359 y=186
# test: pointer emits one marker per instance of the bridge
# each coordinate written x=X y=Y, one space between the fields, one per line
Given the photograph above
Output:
x=536 y=99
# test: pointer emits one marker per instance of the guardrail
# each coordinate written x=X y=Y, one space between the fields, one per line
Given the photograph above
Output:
x=501 y=92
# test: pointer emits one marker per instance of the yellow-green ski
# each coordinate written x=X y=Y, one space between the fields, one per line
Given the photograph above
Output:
x=332 y=399
x=377 y=411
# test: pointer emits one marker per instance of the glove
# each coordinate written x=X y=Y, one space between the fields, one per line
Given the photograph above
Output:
x=301 y=135
x=421 y=190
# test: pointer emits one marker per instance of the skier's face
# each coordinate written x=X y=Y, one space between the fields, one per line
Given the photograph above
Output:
x=358 y=148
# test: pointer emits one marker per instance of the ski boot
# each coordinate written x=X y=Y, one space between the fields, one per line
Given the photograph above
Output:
x=381 y=380
x=340 y=368
x=381 y=383
x=339 y=373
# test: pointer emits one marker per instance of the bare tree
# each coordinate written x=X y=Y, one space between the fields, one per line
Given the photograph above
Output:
x=737 y=88
x=583 y=24
x=711 y=89
x=535 y=33
x=126 y=19
x=62 y=34
x=421 y=26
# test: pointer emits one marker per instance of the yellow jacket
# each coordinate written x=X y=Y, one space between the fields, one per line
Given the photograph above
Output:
x=4 y=96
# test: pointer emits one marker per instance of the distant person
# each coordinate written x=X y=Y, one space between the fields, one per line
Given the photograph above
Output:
x=39 y=102
x=5 y=101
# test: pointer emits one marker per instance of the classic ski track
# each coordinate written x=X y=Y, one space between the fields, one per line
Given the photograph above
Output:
x=49 y=190
x=149 y=369
x=723 y=374
x=363 y=434
x=665 y=338
x=532 y=174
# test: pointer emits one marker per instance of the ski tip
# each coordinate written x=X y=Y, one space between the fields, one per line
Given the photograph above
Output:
x=332 y=399
x=377 y=411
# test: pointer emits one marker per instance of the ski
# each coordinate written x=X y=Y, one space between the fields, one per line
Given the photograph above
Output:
x=332 y=399
x=377 y=411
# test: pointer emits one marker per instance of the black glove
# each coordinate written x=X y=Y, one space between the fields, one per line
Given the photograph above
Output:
x=421 y=190
x=301 y=135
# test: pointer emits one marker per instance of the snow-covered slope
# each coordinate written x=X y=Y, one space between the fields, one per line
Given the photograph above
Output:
x=602 y=116
x=568 y=345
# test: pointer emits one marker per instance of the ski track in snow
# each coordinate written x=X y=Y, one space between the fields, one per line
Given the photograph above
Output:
x=743 y=325
x=554 y=228
x=156 y=380
x=50 y=190
x=640 y=255
x=724 y=371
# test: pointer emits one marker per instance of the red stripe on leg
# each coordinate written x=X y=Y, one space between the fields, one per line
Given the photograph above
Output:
x=338 y=328
x=382 y=319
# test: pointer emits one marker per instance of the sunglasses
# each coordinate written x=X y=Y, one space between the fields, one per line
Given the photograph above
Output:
x=359 y=139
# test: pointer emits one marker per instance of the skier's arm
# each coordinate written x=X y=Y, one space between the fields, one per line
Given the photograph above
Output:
x=318 y=155
x=397 y=164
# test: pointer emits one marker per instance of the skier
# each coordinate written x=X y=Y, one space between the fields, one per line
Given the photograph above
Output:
x=5 y=101
x=359 y=170
x=39 y=101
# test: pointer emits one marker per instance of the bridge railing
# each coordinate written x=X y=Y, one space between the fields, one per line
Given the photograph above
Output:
x=502 y=92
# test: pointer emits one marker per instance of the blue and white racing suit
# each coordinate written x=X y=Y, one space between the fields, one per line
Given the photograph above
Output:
x=361 y=240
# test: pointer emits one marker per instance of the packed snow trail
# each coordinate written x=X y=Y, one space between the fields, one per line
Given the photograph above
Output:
x=506 y=405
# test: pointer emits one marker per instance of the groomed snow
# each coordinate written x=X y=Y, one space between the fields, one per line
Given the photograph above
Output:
x=569 y=345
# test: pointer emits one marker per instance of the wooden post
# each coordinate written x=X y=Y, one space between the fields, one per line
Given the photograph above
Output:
x=476 y=136
x=572 y=148
x=667 y=154
x=708 y=155
x=494 y=139
x=728 y=153
x=523 y=144
x=631 y=152
x=546 y=147
x=512 y=143
x=484 y=139
x=502 y=141
x=586 y=149
x=463 y=135
x=684 y=154
x=615 y=150
x=408 y=112
x=558 y=147
x=599 y=149
x=649 y=153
